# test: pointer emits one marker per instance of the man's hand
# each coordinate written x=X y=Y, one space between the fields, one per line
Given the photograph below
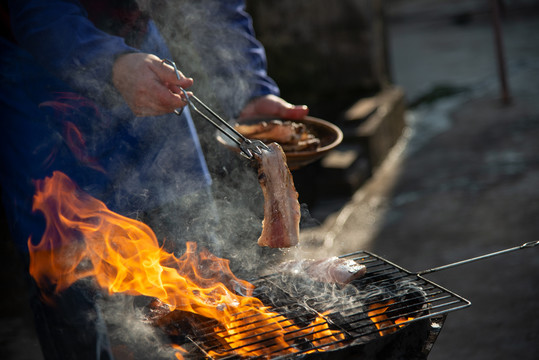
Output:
x=148 y=86
x=271 y=105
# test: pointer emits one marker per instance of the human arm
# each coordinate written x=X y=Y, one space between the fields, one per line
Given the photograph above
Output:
x=264 y=99
x=92 y=62
x=254 y=64
x=147 y=85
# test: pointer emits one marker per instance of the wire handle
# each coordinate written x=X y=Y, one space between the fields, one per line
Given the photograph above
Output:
x=248 y=147
x=529 y=244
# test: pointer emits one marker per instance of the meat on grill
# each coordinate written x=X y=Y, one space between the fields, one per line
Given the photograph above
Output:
x=280 y=227
x=329 y=270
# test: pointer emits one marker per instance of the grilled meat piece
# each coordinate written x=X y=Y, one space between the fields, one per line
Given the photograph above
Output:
x=309 y=144
x=273 y=130
x=292 y=136
x=280 y=227
x=329 y=270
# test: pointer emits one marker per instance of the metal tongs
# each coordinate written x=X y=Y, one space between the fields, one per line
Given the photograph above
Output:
x=247 y=146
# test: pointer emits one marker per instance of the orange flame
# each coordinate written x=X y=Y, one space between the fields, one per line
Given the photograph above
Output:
x=179 y=352
x=383 y=323
x=83 y=238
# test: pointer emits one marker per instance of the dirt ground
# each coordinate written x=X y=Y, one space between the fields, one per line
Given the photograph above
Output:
x=462 y=181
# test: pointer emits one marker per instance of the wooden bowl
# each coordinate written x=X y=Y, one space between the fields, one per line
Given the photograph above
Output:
x=330 y=136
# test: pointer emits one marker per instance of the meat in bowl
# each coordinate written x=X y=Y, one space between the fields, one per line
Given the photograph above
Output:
x=303 y=140
x=292 y=136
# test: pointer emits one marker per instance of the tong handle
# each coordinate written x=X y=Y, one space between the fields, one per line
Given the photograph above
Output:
x=529 y=244
x=246 y=145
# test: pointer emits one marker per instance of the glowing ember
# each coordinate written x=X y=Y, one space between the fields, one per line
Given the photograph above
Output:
x=83 y=238
x=385 y=324
x=179 y=351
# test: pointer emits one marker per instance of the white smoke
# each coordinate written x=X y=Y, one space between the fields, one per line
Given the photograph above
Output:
x=202 y=49
x=130 y=336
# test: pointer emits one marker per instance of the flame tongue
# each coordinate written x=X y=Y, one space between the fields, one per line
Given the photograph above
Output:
x=83 y=238
x=384 y=323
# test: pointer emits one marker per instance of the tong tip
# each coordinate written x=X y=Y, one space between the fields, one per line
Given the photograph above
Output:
x=250 y=148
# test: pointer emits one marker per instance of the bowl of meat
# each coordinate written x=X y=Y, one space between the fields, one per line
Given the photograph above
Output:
x=303 y=141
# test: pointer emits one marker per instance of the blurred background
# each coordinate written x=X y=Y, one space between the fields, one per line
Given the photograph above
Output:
x=437 y=101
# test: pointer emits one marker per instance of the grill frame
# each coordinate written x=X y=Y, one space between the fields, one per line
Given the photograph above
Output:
x=458 y=303
x=427 y=321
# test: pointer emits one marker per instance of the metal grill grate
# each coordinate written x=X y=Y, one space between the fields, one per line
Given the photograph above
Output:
x=401 y=297
x=439 y=299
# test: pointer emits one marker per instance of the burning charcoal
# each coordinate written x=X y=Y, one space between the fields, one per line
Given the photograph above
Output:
x=177 y=324
x=410 y=299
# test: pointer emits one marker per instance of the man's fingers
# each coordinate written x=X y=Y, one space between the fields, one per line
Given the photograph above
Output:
x=296 y=112
x=167 y=74
x=271 y=105
x=157 y=99
x=149 y=86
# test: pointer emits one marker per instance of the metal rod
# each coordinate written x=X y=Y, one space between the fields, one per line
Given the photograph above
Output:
x=523 y=246
x=506 y=99
x=215 y=124
x=230 y=127
x=247 y=146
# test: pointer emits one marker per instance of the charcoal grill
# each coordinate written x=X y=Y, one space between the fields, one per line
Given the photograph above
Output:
x=415 y=309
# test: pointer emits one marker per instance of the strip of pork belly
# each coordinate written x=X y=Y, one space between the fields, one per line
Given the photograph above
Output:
x=274 y=130
x=329 y=270
x=309 y=144
x=280 y=227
